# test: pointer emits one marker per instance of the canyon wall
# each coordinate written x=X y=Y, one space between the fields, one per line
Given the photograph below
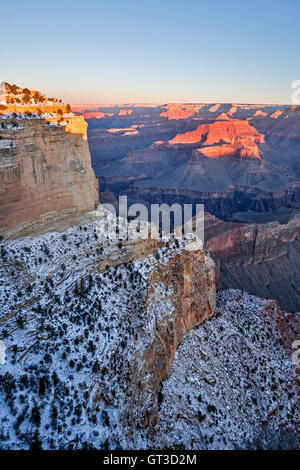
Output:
x=46 y=178
x=232 y=384
x=262 y=259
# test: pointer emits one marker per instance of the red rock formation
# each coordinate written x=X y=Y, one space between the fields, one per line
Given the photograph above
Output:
x=223 y=117
x=95 y=114
x=219 y=131
x=240 y=139
x=214 y=108
x=181 y=111
x=259 y=112
x=80 y=108
x=125 y=112
x=276 y=114
x=217 y=151
x=90 y=111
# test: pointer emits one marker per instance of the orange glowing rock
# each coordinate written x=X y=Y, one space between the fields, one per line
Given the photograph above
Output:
x=234 y=137
x=276 y=114
x=259 y=112
x=214 y=108
x=125 y=112
x=181 y=111
x=227 y=131
x=223 y=117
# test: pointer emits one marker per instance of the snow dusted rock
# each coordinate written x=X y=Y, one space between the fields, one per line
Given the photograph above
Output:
x=232 y=383
x=90 y=330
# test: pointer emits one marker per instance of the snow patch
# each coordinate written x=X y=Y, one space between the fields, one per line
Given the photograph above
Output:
x=2 y=353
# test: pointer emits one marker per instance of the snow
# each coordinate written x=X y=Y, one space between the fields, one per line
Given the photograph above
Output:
x=74 y=331
x=228 y=375
x=2 y=353
x=6 y=144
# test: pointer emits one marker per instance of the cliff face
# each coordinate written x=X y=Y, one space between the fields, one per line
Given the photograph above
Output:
x=262 y=259
x=180 y=296
x=221 y=203
x=46 y=178
x=179 y=111
x=103 y=322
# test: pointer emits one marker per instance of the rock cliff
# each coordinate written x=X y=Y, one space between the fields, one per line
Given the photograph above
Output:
x=262 y=259
x=46 y=178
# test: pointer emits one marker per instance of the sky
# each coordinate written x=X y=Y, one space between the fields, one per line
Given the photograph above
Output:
x=150 y=51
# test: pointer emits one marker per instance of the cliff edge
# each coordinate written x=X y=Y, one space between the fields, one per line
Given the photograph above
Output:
x=46 y=177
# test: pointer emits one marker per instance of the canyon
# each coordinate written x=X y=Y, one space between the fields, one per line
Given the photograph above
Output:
x=199 y=152
x=262 y=259
x=72 y=302
x=125 y=344
x=98 y=325
x=117 y=348
x=240 y=161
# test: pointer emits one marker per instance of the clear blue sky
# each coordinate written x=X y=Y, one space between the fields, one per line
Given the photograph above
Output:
x=152 y=51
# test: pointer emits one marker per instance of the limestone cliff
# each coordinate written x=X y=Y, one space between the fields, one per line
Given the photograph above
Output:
x=46 y=178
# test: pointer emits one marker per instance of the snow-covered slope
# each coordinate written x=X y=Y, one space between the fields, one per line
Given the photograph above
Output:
x=232 y=384
x=88 y=331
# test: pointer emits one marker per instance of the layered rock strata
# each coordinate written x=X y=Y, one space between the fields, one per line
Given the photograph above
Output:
x=46 y=178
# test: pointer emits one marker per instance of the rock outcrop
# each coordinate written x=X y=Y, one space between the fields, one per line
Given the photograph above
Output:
x=238 y=150
x=180 y=111
x=262 y=259
x=46 y=178
x=236 y=138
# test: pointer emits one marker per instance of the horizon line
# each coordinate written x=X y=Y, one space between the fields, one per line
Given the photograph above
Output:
x=163 y=103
